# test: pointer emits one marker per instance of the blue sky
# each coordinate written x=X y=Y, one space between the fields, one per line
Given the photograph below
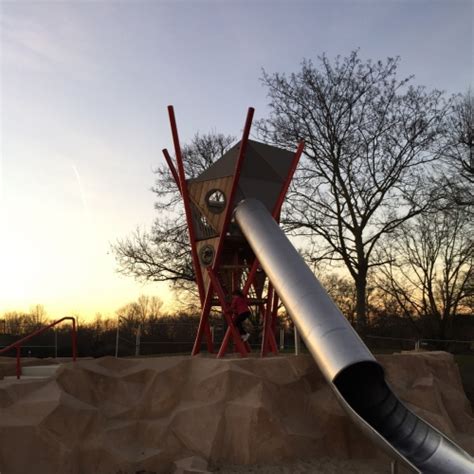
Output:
x=84 y=89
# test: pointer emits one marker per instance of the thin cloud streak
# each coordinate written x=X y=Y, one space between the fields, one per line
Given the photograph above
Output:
x=26 y=44
x=81 y=192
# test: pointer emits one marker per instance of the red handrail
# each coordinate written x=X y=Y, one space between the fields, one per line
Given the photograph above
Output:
x=20 y=342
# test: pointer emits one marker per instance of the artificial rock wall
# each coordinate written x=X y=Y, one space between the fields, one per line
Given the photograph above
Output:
x=111 y=416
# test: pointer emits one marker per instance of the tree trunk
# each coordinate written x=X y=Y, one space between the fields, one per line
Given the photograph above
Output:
x=361 y=302
x=443 y=326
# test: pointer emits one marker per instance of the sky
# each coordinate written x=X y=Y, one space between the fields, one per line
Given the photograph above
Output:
x=84 y=87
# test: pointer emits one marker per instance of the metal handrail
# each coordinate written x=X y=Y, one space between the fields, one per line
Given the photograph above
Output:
x=17 y=345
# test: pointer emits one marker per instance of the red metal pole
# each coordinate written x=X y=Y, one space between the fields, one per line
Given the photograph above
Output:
x=187 y=208
x=225 y=343
x=251 y=276
x=238 y=167
x=277 y=209
x=18 y=364
x=235 y=181
x=203 y=321
x=227 y=314
x=173 y=171
x=272 y=339
x=286 y=185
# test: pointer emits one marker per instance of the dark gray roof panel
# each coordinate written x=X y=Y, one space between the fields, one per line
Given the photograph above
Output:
x=280 y=160
x=254 y=166
x=261 y=161
x=224 y=166
x=265 y=191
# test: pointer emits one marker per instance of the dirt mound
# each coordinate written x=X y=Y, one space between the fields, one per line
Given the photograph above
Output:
x=182 y=414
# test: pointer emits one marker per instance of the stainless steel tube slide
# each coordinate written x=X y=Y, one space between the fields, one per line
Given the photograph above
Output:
x=351 y=370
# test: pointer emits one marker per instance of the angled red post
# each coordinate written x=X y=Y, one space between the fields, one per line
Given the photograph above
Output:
x=227 y=314
x=268 y=341
x=173 y=171
x=286 y=185
x=228 y=214
x=274 y=317
x=277 y=209
x=187 y=207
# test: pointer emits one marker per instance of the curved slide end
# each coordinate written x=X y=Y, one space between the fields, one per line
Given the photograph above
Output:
x=355 y=376
x=363 y=387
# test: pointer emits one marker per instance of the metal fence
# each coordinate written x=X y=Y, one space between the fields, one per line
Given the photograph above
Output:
x=178 y=338
x=394 y=344
x=51 y=344
x=288 y=340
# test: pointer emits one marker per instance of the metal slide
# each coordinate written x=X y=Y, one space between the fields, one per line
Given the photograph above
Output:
x=355 y=376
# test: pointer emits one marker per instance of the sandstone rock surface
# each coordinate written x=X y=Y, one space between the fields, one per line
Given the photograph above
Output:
x=183 y=414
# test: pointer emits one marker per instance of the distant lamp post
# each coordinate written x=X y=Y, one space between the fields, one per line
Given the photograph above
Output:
x=117 y=336
x=137 y=340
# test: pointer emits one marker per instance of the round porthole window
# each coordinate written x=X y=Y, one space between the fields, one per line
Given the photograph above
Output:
x=206 y=255
x=215 y=201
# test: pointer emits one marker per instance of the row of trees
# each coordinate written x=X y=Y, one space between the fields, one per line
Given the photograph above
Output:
x=160 y=332
x=144 y=309
x=383 y=192
x=19 y=322
x=171 y=333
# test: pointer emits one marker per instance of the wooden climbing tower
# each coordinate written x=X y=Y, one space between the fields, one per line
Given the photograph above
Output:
x=222 y=259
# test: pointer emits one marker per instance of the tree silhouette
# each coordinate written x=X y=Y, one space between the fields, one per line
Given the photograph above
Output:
x=163 y=254
x=368 y=137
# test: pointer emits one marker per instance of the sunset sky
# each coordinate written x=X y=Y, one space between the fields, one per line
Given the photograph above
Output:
x=84 y=89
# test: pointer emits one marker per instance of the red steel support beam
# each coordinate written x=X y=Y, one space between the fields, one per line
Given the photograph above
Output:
x=277 y=209
x=203 y=320
x=228 y=317
x=273 y=342
x=268 y=335
x=286 y=185
x=173 y=171
x=268 y=341
x=228 y=214
x=187 y=207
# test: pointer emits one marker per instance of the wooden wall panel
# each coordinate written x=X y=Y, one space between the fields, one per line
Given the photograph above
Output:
x=199 y=245
x=198 y=192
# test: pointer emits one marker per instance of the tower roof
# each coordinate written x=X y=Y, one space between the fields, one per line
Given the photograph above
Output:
x=263 y=172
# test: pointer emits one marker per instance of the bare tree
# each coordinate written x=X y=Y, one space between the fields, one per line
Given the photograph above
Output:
x=163 y=254
x=458 y=152
x=38 y=316
x=129 y=316
x=430 y=270
x=155 y=306
x=368 y=136
x=14 y=322
x=342 y=292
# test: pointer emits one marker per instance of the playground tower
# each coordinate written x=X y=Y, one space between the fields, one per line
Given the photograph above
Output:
x=222 y=259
